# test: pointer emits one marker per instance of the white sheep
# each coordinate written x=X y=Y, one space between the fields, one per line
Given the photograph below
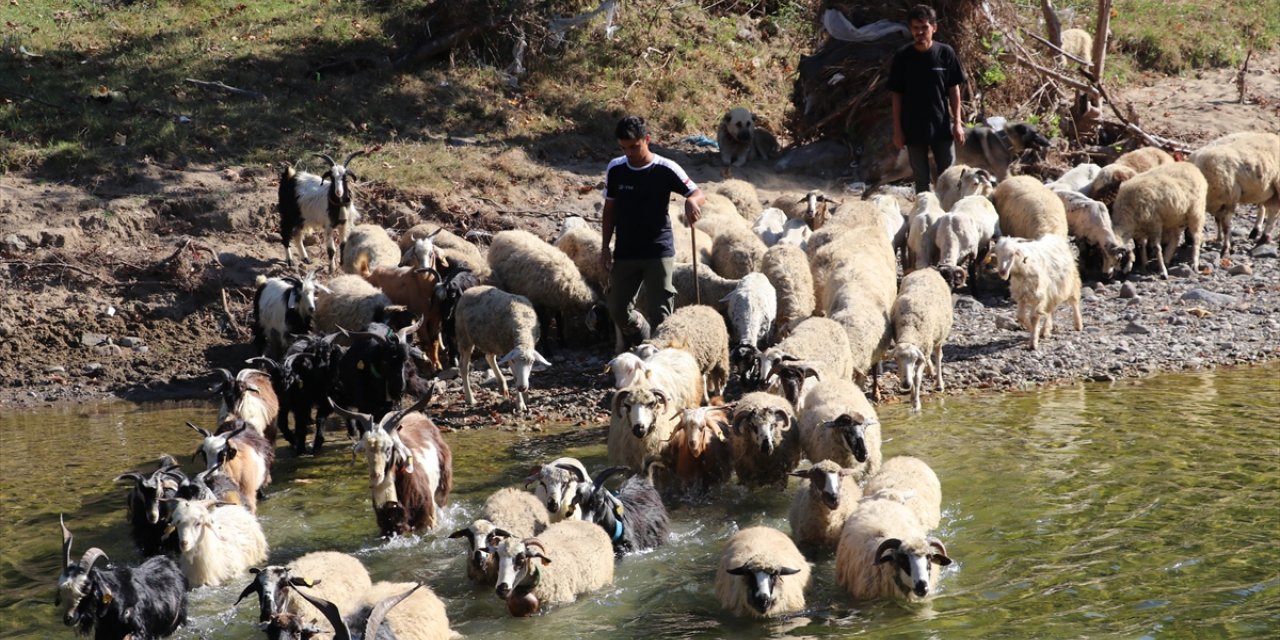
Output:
x=1158 y=207
x=1078 y=43
x=368 y=247
x=752 y=309
x=1028 y=209
x=582 y=243
x=684 y=237
x=504 y=328
x=742 y=194
x=421 y=616
x=1242 y=168
x=350 y=302
x=507 y=512
x=824 y=500
x=787 y=269
x=884 y=552
x=912 y=482
x=719 y=214
x=216 y=544
x=1042 y=274
x=643 y=415
x=763 y=440
x=309 y=202
x=821 y=343
x=701 y=331
x=959 y=181
x=920 y=241
x=1108 y=181
x=570 y=558
x=1089 y=220
x=761 y=574
x=627 y=368
x=837 y=423
x=922 y=319
x=1076 y=178
x=735 y=253
x=524 y=264
x=769 y=225
x=963 y=236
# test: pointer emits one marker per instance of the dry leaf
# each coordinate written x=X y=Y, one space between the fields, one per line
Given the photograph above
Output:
x=1199 y=313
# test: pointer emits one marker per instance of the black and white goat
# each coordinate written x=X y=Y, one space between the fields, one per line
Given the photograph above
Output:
x=146 y=601
x=309 y=202
x=292 y=626
x=634 y=518
x=282 y=307
x=149 y=507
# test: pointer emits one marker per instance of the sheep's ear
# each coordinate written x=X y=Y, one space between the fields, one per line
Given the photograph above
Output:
x=939 y=558
x=304 y=582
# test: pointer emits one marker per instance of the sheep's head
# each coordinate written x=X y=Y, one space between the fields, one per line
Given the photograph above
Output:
x=76 y=586
x=190 y=520
x=482 y=538
x=852 y=428
x=217 y=449
x=790 y=375
x=761 y=580
x=627 y=369
x=518 y=565
x=521 y=360
x=640 y=407
x=766 y=426
x=1006 y=254
x=816 y=210
x=910 y=560
x=558 y=486
x=976 y=182
x=824 y=482
x=911 y=362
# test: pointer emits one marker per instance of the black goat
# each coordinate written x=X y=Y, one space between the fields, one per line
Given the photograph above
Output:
x=149 y=506
x=146 y=601
x=453 y=283
x=371 y=373
x=635 y=518
x=310 y=372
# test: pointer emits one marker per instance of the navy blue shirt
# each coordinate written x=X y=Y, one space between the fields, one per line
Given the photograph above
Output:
x=642 y=228
x=924 y=79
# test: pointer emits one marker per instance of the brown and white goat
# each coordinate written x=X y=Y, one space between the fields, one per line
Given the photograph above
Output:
x=415 y=287
x=410 y=467
x=699 y=453
x=249 y=396
x=244 y=455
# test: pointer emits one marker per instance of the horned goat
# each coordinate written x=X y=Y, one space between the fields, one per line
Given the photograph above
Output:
x=309 y=202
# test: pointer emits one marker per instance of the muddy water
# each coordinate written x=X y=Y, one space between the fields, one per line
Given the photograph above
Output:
x=1144 y=509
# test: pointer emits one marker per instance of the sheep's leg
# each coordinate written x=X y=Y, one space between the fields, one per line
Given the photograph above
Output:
x=1268 y=216
x=1075 y=312
x=1223 y=217
x=1164 y=271
x=497 y=372
x=1047 y=325
x=937 y=366
x=915 y=391
x=1035 y=333
x=464 y=368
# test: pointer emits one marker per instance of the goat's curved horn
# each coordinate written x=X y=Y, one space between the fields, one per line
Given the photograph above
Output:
x=603 y=476
x=347 y=413
x=421 y=404
x=380 y=610
x=326 y=157
x=203 y=432
x=66 y=542
x=574 y=469
x=353 y=156
x=227 y=376
x=130 y=475
x=91 y=556
x=403 y=334
x=330 y=611
x=273 y=367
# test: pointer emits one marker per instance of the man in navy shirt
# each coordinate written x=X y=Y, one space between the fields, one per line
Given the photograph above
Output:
x=637 y=188
x=925 y=83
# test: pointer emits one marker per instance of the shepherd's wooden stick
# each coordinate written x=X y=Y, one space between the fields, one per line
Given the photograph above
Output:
x=205 y=84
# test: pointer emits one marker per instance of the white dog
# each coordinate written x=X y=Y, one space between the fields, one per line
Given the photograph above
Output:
x=741 y=141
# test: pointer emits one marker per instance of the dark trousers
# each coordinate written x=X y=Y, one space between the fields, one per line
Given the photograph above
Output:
x=624 y=282
x=944 y=153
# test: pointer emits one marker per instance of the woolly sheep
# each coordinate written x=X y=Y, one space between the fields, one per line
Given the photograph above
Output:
x=1158 y=207
x=909 y=480
x=838 y=424
x=1089 y=220
x=963 y=235
x=518 y=513
x=769 y=225
x=719 y=214
x=1028 y=209
x=787 y=269
x=1042 y=274
x=701 y=331
x=1078 y=43
x=1242 y=168
x=421 y=616
x=763 y=440
x=820 y=342
x=582 y=244
x=884 y=552
x=860 y=287
x=216 y=544
x=920 y=240
x=684 y=237
x=752 y=309
x=643 y=415
x=523 y=264
x=742 y=194
x=350 y=302
x=922 y=319
x=369 y=244
x=735 y=253
x=570 y=558
x=1108 y=181
x=504 y=328
x=959 y=181
x=1076 y=178
x=1145 y=159
x=824 y=500
x=761 y=574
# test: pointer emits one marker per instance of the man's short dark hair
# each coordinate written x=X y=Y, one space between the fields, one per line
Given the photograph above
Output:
x=631 y=128
x=923 y=12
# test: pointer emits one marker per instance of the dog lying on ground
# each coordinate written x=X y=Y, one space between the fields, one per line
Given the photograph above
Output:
x=740 y=140
x=986 y=148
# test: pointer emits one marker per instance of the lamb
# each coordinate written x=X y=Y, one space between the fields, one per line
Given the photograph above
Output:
x=644 y=414
x=700 y=456
x=1078 y=43
x=525 y=265
x=508 y=510
x=245 y=456
x=826 y=497
x=558 y=486
x=1028 y=209
x=582 y=244
x=634 y=517
x=959 y=181
x=1088 y=220
x=250 y=396
x=920 y=240
x=410 y=467
x=309 y=202
x=787 y=269
x=504 y=327
x=1242 y=168
x=1108 y=181
x=922 y=319
x=752 y=309
x=350 y=302
x=701 y=331
x=281 y=307
x=146 y=601
x=910 y=481
x=884 y=552
x=369 y=245
x=735 y=253
x=1042 y=274
x=839 y=424
x=216 y=545
x=763 y=439
x=742 y=194
x=1160 y=206
x=414 y=287
x=336 y=577
x=580 y=558
x=761 y=574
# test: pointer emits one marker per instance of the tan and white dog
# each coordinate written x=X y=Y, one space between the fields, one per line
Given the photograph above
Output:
x=740 y=140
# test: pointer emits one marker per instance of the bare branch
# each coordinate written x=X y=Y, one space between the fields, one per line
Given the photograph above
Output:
x=219 y=86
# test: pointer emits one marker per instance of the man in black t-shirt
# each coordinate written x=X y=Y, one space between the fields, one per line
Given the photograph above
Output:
x=637 y=187
x=925 y=83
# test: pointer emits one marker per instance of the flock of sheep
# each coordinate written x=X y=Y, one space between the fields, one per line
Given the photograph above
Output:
x=802 y=302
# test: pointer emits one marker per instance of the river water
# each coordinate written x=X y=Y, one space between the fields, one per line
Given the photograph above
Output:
x=1139 y=509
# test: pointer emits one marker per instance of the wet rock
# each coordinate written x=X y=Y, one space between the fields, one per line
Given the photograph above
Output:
x=1241 y=270
x=1134 y=328
x=1181 y=271
x=1264 y=251
x=130 y=342
x=13 y=244
x=1127 y=290
x=1088 y=294
x=90 y=339
x=1209 y=297
x=960 y=301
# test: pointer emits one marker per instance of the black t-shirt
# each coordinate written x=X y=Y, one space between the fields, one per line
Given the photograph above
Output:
x=923 y=80
x=640 y=195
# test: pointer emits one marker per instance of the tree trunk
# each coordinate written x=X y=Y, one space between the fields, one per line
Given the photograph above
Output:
x=1100 y=37
x=1052 y=25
